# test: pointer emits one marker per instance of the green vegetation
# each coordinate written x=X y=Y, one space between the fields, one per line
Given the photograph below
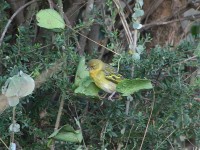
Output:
x=165 y=117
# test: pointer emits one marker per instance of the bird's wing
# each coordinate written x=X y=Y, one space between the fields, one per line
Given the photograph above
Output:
x=111 y=74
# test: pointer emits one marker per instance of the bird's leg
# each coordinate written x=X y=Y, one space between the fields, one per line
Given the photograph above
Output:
x=103 y=96
x=110 y=97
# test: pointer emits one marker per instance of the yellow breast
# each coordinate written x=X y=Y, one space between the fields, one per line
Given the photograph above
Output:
x=102 y=82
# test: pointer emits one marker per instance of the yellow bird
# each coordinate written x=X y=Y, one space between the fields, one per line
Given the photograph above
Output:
x=104 y=76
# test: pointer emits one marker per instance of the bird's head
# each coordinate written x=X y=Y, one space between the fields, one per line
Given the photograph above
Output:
x=95 y=64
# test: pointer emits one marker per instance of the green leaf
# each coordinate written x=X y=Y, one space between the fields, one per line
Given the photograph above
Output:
x=128 y=87
x=87 y=87
x=14 y=127
x=137 y=25
x=83 y=83
x=68 y=134
x=50 y=19
x=81 y=72
x=140 y=49
x=136 y=56
x=68 y=137
x=18 y=86
x=12 y=146
x=138 y=13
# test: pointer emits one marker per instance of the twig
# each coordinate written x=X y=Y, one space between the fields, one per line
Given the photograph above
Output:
x=13 y=124
x=154 y=99
x=166 y=139
x=129 y=136
x=50 y=4
x=4 y=143
x=190 y=58
x=57 y=124
x=60 y=8
x=82 y=41
x=157 y=23
x=125 y=24
x=93 y=41
x=11 y=19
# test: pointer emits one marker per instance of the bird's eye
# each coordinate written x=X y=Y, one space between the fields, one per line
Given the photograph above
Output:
x=93 y=66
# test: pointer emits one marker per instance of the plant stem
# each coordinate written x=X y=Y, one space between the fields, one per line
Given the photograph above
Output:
x=13 y=123
x=57 y=124
x=4 y=143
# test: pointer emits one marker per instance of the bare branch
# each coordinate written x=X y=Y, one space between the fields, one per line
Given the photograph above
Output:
x=11 y=19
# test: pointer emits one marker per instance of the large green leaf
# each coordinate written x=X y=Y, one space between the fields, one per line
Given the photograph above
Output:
x=68 y=134
x=50 y=19
x=128 y=87
x=87 y=87
x=83 y=83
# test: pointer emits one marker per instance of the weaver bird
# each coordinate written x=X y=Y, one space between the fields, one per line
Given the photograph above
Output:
x=104 y=76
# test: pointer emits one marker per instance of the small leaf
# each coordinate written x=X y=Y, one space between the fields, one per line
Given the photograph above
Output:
x=136 y=56
x=123 y=130
x=128 y=87
x=12 y=146
x=50 y=19
x=138 y=13
x=137 y=25
x=13 y=101
x=14 y=127
x=140 y=49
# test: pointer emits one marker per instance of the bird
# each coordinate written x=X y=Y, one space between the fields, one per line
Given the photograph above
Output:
x=104 y=76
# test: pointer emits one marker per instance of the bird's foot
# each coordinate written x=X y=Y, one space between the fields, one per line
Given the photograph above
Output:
x=103 y=96
x=110 y=97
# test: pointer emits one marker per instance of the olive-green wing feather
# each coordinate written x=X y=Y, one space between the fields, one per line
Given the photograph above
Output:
x=111 y=74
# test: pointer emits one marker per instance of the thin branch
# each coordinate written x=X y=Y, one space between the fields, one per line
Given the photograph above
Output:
x=154 y=99
x=125 y=24
x=4 y=143
x=11 y=19
x=158 y=23
x=57 y=124
x=190 y=58
x=88 y=10
x=166 y=138
x=50 y=4
x=13 y=124
x=93 y=41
